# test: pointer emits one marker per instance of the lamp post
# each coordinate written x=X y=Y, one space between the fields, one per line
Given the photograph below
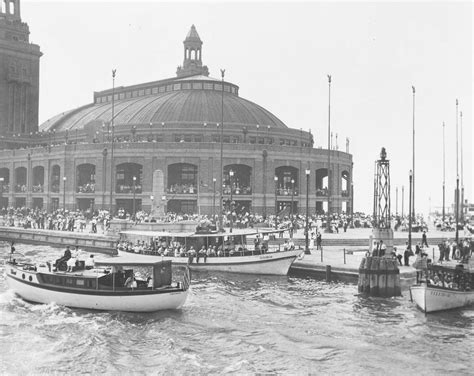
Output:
x=214 y=200
x=328 y=227
x=306 y=251
x=444 y=176
x=152 y=198
x=276 y=201
x=413 y=152
x=221 y=172
x=456 y=196
x=231 y=175
x=1 y=191
x=409 y=210
x=134 y=182
x=292 y=195
x=64 y=193
x=112 y=143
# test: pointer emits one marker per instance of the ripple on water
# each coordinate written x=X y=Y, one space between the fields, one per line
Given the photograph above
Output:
x=236 y=324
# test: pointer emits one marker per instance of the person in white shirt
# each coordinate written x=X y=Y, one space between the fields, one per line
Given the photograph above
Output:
x=90 y=262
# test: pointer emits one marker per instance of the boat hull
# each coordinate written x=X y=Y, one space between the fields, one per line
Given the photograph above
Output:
x=137 y=301
x=433 y=299
x=273 y=263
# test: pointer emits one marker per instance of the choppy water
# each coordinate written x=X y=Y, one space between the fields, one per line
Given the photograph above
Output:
x=237 y=324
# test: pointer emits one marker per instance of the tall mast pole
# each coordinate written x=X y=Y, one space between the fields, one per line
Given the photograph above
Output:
x=328 y=223
x=457 y=176
x=221 y=172
x=462 y=170
x=112 y=144
x=444 y=175
x=413 y=169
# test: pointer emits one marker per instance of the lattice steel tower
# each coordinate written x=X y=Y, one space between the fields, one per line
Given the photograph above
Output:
x=382 y=192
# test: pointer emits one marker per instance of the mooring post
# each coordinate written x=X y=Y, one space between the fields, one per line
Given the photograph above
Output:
x=433 y=254
x=321 y=253
x=328 y=273
x=344 y=256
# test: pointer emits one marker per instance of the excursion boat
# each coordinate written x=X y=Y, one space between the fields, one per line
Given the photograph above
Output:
x=443 y=288
x=232 y=255
x=109 y=285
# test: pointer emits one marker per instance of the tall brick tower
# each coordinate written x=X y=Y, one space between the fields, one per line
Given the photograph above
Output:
x=19 y=73
x=192 y=64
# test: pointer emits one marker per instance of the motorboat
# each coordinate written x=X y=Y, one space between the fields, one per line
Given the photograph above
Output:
x=444 y=287
x=229 y=251
x=112 y=284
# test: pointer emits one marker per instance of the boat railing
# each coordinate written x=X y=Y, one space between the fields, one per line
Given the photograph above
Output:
x=458 y=279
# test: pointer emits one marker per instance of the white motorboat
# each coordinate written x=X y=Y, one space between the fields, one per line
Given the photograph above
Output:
x=110 y=285
x=237 y=258
x=443 y=288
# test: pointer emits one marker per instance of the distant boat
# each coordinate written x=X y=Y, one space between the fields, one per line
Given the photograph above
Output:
x=266 y=260
x=444 y=288
x=102 y=287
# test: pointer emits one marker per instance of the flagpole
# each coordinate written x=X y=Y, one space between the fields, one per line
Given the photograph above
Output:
x=444 y=176
x=413 y=169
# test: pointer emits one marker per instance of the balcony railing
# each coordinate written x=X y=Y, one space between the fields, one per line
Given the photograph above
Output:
x=286 y=192
x=5 y=188
x=322 y=192
x=122 y=188
x=20 y=188
x=86 y=188
x=237 y=190
x=182 y=189
x=37 y=188
x=55 y=188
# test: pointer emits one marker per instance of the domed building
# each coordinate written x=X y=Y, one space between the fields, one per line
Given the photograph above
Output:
x=163 y=145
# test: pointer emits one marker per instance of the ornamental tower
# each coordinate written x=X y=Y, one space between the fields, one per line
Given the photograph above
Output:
x=19 y=73
x=192 y=64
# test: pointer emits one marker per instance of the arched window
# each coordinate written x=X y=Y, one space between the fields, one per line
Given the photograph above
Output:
x=241 y=179
x=322 y=182
x=20 y=179
x=38 y=179
x=182 y=178
x=85 y=178
x=345 y=191
x=285 y=175
x=128 y=178
x=4 y=180
x=55 y=179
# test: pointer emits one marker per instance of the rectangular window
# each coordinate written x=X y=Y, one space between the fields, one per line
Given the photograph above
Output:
x=128 y=94
x=197 y=86
x=154 y=90
x=109 y=98
x=218 y=87
x=69 y=281
x=116 y=97
x=233 y=90
x=208 y=86
x=227 y=88
x=147 y=91
x=162 y=89
x=169 y=87
x=141 y=93
x=122 y=96
x=186 y=86
x=176 y=86
x=135 y=93
x=79 y=282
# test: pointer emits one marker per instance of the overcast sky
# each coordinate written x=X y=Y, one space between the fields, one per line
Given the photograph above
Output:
x=280 y=54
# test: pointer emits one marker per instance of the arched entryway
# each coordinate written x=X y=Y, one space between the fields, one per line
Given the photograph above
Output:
x=345 y=184
x=128 y=178
x=322 y=182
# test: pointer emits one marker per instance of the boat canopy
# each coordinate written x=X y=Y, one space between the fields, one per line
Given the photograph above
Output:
x=128 y=260
x=164 y=234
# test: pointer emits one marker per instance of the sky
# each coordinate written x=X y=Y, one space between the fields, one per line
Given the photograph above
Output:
x=280 y=53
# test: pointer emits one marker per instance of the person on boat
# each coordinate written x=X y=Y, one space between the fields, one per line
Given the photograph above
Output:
x=71 y=264
x=382 y=248
x=90 y=263
x=286 y=246
x=407 y=254
x=202 y=253
x=62 y=261
x=149 y=282
x=131 y=282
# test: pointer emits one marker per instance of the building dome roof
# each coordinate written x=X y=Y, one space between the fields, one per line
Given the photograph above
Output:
x=183 y=103
x=191 y=97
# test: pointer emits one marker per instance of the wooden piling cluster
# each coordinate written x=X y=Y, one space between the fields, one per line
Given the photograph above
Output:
x=379 y=276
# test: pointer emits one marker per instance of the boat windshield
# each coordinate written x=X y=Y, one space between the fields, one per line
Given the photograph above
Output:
x=457 y=278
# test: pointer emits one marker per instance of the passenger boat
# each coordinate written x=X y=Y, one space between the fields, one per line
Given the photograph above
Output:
x=235 y=256
x=444 y=287
x=103 y=287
